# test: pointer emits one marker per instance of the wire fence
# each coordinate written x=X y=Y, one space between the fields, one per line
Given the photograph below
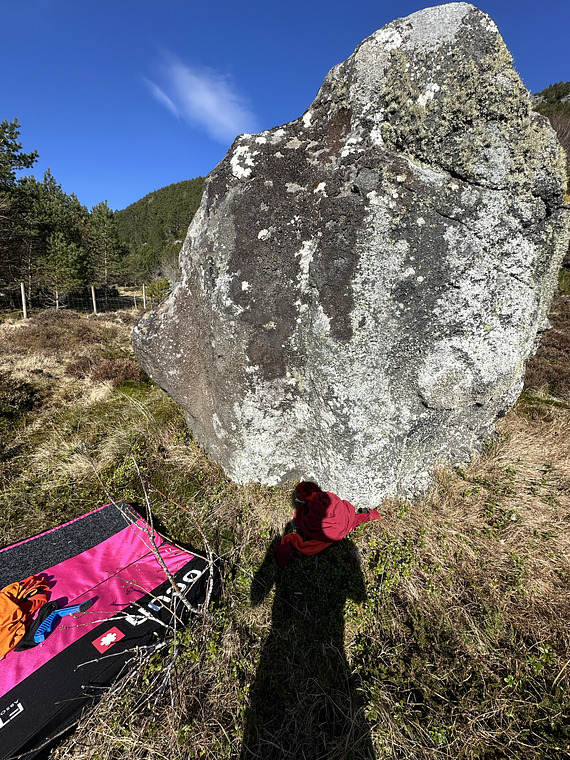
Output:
x=17 y=299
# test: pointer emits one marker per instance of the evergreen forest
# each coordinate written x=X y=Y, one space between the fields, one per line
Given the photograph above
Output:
x=53 y=244
x=152 y=229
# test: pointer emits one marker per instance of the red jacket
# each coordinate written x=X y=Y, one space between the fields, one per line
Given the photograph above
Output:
x=327 y=517
x=323 y=518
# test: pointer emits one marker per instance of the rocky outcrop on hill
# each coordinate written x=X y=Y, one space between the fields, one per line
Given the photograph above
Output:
x=362 y=287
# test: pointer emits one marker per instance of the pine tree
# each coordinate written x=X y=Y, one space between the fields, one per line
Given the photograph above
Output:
x=11 y=157
x=106 y=252
x=12 y=237
x=56 y=233
x=62 y=265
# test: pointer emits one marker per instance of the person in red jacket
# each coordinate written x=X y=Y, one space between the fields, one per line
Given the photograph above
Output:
x=322 y=517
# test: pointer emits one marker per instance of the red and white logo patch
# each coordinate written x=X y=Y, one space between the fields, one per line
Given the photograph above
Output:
x=106 y=641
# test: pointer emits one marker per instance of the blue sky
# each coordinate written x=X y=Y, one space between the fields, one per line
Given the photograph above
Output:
x=123 y=97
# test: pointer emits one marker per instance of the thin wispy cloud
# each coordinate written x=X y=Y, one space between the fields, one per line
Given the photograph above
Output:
x=161 y=96
x=204 y=98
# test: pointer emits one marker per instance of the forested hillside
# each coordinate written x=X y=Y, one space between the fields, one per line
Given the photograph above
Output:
x=554 y=102
x=553 y=99
x=153 y=228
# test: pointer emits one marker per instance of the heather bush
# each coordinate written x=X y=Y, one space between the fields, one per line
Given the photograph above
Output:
x=117 y=372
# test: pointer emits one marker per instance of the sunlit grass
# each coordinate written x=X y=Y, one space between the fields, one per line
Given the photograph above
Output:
x=459 y=650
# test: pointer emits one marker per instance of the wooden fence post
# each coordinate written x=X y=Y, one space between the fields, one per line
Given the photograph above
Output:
x=24 y=305
x=144 y=296
x=94 y=299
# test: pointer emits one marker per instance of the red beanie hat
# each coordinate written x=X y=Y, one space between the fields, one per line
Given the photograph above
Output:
x=306 y=490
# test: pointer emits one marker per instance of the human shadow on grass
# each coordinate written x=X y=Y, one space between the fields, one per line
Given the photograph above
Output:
x=305 y=702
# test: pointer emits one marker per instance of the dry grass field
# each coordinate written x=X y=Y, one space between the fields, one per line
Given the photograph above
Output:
x=439 y=632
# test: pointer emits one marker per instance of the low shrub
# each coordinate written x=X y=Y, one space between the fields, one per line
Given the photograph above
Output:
x=118 y=371
x=81 y=367
x=16 y=396
x=115 y=371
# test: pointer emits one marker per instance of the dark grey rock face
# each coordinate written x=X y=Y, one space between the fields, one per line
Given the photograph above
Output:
x=362 y=287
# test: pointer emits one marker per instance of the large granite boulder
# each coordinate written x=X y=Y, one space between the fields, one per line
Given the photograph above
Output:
x=362 y=287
